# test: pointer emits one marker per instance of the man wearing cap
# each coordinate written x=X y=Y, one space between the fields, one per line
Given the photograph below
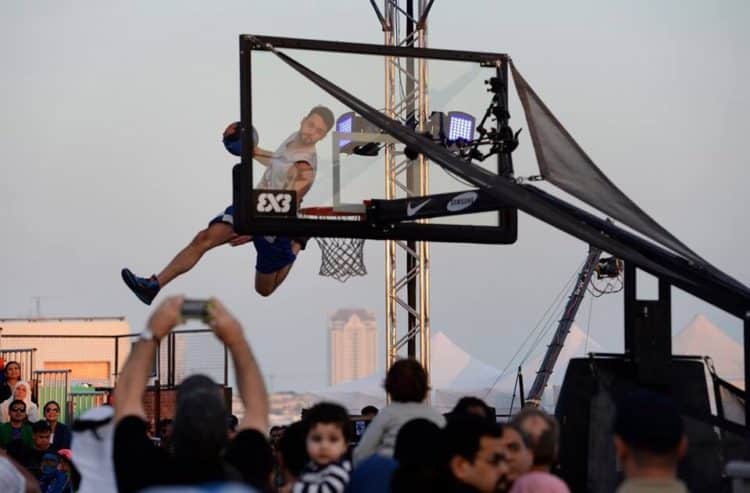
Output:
x=199 y=430
x=649 y=442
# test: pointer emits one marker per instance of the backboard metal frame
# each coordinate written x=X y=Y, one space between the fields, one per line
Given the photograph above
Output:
x=391 y=226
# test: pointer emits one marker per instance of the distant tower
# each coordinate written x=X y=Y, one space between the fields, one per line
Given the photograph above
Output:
x=352 y=345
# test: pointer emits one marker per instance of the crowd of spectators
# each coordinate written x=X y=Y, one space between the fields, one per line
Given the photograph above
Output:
x=407 y=446
x=35 y=450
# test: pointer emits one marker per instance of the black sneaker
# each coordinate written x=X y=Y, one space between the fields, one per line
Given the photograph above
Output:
x=144 y=288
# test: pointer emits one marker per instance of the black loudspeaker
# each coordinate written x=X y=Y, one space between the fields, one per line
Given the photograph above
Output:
x=586 y=410
x=648 y=331
x=649 y=342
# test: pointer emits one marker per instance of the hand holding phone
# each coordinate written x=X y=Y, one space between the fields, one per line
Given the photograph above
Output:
x=195 y=309
x=223 y=323
x=165 y=317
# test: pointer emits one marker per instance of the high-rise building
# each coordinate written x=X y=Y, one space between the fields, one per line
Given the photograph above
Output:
x=352 y=344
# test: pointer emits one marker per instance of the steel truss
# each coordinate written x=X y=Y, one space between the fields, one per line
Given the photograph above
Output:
x=408 y=289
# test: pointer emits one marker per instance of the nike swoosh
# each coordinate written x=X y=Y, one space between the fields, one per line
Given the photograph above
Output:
x=411 y=210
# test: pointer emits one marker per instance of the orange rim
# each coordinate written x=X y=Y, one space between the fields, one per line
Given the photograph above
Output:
x=328 y=211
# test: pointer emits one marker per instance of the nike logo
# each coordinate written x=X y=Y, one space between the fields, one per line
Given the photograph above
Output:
x=411 y=210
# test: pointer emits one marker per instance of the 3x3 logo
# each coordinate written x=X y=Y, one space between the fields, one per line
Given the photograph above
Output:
x=275 y=202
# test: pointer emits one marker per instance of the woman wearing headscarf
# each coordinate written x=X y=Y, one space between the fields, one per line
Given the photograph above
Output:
x=21 y=391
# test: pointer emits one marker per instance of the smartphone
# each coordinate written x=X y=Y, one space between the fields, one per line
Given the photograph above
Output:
x=360 y=426
x=195 y=309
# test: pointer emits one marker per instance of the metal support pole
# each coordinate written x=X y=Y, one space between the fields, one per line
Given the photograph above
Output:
x=520 y=387
x=746 y=341
x=170 y=353
x=412 y=178
x=390 y=192
x=412 y=182
x=172 y=359
x=157 y=386
x=424 y=189
x=226 y=366
x=117 y=358
x=157 y=404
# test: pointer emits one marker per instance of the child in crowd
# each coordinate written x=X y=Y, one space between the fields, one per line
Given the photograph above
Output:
x=328 y=430
x=406 y=383
x=51 y=478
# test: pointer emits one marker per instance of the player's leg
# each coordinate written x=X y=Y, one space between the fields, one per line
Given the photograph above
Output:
x=275 y=260
x=214 y=235
x=218 y=232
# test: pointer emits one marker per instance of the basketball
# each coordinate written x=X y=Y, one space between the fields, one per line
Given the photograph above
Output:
x=232 y=141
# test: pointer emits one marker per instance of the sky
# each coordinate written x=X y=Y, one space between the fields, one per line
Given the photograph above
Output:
x=111 y=156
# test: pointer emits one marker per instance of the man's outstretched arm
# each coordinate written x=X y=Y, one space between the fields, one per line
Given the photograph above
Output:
x=133 y=378
x=263 y=156
x=300 y=178
x=250 y=382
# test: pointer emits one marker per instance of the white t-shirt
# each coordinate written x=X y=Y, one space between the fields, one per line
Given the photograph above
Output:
x=275 y=177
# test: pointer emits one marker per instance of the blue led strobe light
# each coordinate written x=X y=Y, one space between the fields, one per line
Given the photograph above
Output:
x=344 y=125
x=460 y=126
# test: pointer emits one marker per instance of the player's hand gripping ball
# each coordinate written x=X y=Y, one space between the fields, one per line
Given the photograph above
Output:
x=232 y=141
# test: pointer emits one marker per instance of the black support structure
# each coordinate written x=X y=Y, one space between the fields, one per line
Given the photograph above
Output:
x=695 y=277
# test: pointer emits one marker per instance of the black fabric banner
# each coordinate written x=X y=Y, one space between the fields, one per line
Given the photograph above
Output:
x=563 y=163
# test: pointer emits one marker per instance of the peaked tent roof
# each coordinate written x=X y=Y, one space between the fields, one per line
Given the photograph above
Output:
x=702 y=337
x=452 y=367
x=455 y=373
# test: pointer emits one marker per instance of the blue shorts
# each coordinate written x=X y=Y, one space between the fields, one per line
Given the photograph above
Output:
x=274 y=253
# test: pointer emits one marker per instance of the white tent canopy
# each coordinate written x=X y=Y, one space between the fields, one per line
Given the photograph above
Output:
x=702 y=338
x=456 y=373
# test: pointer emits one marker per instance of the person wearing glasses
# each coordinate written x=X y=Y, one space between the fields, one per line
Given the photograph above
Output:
x=61 y=435
x=21 y=391
x=16 y=428
x=473 y=456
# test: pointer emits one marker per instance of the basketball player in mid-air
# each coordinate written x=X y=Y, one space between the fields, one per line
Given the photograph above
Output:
x=292 y=166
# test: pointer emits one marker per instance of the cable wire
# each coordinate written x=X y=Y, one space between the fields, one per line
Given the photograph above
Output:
x=551 y=322
x=531 y=333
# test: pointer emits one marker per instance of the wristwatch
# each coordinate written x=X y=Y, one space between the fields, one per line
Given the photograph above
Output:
x=147 y=335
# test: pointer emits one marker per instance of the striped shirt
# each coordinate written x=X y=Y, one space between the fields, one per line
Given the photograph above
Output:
x=331 y=478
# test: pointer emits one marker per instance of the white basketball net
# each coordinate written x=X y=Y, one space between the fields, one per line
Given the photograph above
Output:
x=341 y=258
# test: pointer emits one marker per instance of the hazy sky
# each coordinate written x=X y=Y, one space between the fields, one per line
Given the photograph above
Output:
x=109 y=143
